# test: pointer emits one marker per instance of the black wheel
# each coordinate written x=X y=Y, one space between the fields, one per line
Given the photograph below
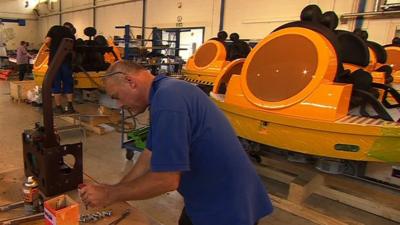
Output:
x=129 y=155
x=255 y=157
x=252 y=148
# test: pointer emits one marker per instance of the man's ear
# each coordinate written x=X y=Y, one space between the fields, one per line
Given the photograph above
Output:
x=131 y=81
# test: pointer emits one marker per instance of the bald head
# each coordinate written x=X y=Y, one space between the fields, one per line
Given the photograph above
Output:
x=120 y=69
x=125 y=66
x=129 y=83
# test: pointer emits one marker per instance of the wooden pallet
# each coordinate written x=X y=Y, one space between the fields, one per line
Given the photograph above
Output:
x=302 y=183
x=95 y=122
x=93 y=128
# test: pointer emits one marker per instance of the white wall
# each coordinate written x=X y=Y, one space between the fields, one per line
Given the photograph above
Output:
x=250 y=18
x=381 y=30
x=261 y=17
x=128 y=13
x=21 y=33
x=194 y=13
x=15 y=9
x=107 y=17
x=80 y=20
x=45 y=24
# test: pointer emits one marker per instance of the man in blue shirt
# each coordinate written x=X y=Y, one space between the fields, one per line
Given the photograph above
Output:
x=191 y=148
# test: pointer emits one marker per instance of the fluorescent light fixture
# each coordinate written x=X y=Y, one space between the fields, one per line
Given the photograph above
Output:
x=31 y=3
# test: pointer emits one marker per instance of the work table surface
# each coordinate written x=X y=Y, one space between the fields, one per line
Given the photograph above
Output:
x=11 y=191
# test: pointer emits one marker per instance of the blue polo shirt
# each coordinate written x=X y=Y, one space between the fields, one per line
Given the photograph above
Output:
x=188 y=133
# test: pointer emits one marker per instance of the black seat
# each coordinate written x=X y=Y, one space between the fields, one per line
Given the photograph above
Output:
x=238 y=48
x=380 y=53
x=381 y=57
x=90 y=53
x=353 y=48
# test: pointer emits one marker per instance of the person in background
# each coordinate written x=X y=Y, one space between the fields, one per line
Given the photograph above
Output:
x=64 y=82
x=191 y=147
x=23 y=60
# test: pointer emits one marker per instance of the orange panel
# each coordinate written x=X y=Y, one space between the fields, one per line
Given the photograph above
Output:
x=234 y=67
x=298 y=83
x=209 y=59
x=393 y=57
x=300 y=69
x=329 y=102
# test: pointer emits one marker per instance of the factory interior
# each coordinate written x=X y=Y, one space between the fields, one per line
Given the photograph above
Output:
x=200 y=112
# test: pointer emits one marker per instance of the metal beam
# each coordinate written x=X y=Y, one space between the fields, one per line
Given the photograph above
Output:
x=143 y=21
x=361 y=8
x=222 y=15
x=59 y=10
x=94 y=13
x=369 y=14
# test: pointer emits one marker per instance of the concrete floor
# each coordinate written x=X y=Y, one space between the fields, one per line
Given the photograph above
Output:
x=103 y=160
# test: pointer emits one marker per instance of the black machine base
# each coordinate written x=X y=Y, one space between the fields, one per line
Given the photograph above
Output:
x=47 y=164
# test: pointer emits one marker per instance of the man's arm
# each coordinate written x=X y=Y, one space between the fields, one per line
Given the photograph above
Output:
x=141 y=167
x=24 y=51
x=147 y=186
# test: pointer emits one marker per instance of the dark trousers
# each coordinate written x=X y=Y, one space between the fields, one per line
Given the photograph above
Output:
x=185 y=220
x=64 y=82
x=23 y=68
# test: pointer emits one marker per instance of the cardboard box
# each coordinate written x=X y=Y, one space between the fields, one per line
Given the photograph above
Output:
x=19 y=89
x=61 y=210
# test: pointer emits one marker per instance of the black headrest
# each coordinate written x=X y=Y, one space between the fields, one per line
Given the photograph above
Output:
x=326 y=32
x=234 y=37
x=311 y=13
x=90 y=31
x=222 y=35
x=379 y=50
x=73 y=30
x=354 y=50
x=361 y=33
x=79 y=41
x=101 y=40
x=330 y=20
x=396 y=41
x=361 y=79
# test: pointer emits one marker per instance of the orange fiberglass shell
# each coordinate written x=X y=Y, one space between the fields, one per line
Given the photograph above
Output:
x=393 y=59
x=42 y=59
x=377 y=77
x=108 y=56
x=223 y=77
x=206 y=63
x=285 y=97
x=307 y=77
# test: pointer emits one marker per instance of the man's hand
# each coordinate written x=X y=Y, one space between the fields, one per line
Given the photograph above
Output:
x=96 y=195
